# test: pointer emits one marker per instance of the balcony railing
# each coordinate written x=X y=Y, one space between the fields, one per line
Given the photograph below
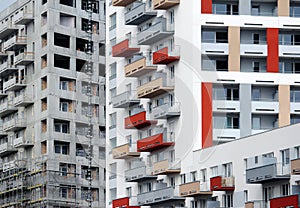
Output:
x=15 y=43
x=166 y=167
x=125 y=48
x=6 y=69
x=295 y=166
x=122 y=2
x=165 y=4
x=166 y=111
x=138 y=14
x=139 y=67
x=14 y=84
x=266 y=169
x=139 y=174
x=159 y=30
x=23 y=17
x=7 y=108
x=14 y=124
x=124 y=152
x=23 y=141
x=156 y=87
x=6 y=149
x=164 y=195
x=158 y=141
x=125 y=100
x=24 y=58
x=166 y=55
x=221 y=183
x=23 y=100
x=138 y=120
x=194 y=189
x=7 y=28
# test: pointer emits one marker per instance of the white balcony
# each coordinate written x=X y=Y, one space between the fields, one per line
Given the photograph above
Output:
x=14 y=124
x=6 y=69
x=225 y=135
x=23 y=17
x=166 y=111
x=291 y=51
x=125 y=100
x=24 y=58
x=7 y=108
x=7 y=28
x=265 y=106
x=295 y=107
x=254 y=50
x=6 y=149
x=23 y=100
x=226 y=106
x=214 y=48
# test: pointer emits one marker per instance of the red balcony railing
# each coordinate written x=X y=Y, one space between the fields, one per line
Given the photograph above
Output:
x=220 y=183
x=284 y=201
x=122 y=203
x=164 y=56
x=124 y=49
x=138 y=121
x=152 y=143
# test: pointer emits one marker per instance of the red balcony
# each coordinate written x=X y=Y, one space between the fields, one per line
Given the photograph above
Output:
x=220 y=183
x=138 y=121
x=122 y=203
x=124 y=49
x=284 y=201
x=154 y=142
x=164 y=56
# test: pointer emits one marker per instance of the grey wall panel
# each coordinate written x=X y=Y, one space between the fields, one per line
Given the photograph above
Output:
x=245 y=115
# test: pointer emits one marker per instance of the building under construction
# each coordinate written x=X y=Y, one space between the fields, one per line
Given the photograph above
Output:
x=52 y=96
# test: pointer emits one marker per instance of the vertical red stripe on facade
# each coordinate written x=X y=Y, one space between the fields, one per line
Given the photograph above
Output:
x=206 y=6
x=272 y=58
x=206 y=89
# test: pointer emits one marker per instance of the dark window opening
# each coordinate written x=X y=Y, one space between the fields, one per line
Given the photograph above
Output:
x=62 y=40
x=61 y=61
x=70 y=3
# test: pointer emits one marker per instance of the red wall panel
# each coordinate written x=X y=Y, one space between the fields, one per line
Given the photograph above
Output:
x=206 y=6
x=272 y=58
x=284 y=202
x=206 y=89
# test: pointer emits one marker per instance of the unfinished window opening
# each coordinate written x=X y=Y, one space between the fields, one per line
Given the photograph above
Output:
x=70 y=3
x=67 y=20
x=61 y=40
x=80 y=65
x=44 y=125
x=82 y=44
x=86 y=111
x=101 y=49
x=85 y=173
x=61 y=61
x=84 y=26
x=94 y=89
x=44 y=104
x=44 y=1
x=44 y=147
x=95 y=6
x=44 y=40
x=44 y=61
x=44 y=18
x=44 y=83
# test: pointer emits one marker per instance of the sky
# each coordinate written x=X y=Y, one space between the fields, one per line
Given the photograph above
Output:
x=5 y=3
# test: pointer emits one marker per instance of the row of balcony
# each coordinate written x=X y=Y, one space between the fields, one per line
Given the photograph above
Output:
x=157 y=4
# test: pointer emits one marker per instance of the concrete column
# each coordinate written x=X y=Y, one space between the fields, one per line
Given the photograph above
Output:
x=234 y=48
x=283 y=8
x=284 y=105
x=245 y=7
x=245 y=109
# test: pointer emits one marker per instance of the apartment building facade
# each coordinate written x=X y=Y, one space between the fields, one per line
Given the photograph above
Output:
x=48 y=104
x=189 y=75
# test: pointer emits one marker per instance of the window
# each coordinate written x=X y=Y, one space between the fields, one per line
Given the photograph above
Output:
x=255 y=38
x=182 y=179
x=63 y=85
x=203 y=175
x=194 y=204
x=63 y=106
x=221 y=65
x=246 y=196
x=232 y=122
x=255 y=10
x=214 y=171
x=62 y=127
x=129 y=191
x=172 y=72
x=63 y=168
x=113 y=120
x=149 y=186
x=113 y=93
x=193 y=176
x=256 y=123
x=285 y=156
x=113 y=71
x=113 y=21
x=227 y=168
x=63 y=192
x=172 y=19
x=256 y=94
x=285 y=189
x=268 y=193
x=227 y=200
x=297 y=152
x=256 y=66
x=172 y=181
x=150 y=107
